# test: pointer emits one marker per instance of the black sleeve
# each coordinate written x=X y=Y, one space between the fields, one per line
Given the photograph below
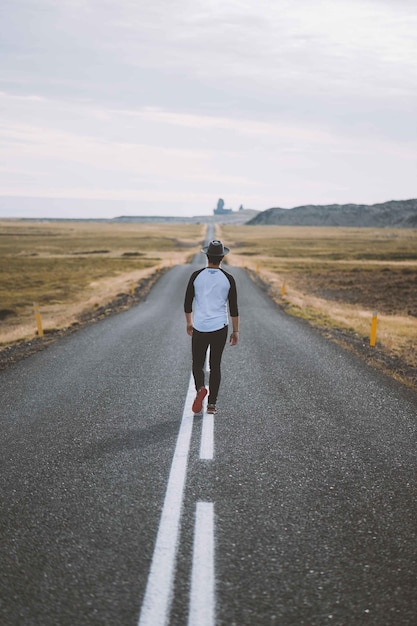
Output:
x=189 y=293
x=233 y=308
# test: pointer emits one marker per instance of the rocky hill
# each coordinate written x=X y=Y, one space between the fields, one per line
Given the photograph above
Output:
x=393 y=214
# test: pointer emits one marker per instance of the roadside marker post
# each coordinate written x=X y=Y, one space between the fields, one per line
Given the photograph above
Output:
x=373 y=329
x=283 y=290
x=38 y=319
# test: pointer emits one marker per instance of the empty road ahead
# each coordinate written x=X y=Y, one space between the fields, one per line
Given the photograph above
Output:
x=295 y=506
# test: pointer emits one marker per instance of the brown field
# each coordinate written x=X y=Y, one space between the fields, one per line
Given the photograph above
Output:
x=71 y=267
x=334 y=277
x=337 y=277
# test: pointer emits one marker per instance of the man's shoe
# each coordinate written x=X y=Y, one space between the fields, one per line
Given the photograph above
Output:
x=198 y=402
x=211 y=408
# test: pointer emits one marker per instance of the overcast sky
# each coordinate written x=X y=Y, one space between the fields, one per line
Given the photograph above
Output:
x=163 y=106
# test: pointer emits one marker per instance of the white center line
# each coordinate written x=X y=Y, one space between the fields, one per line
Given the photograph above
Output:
x=202 y=595
x=207 y=437
x=207 y=434
x=158 y=596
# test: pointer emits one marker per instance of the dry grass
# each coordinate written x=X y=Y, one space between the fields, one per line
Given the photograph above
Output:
x=337 y=277
x=71 y=267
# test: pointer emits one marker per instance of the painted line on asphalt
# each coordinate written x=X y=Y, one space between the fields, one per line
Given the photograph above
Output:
x=207 y=437
x=207 y=432
x=158 y=595
x=202 y=594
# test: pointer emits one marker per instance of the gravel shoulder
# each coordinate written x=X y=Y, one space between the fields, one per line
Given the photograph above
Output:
x=377 y=356
x=9 y=355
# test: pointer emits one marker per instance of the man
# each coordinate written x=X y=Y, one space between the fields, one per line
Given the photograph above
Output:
x=211 y=289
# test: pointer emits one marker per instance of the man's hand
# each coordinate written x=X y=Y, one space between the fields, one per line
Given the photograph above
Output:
x=234 y=338
x=189 y=323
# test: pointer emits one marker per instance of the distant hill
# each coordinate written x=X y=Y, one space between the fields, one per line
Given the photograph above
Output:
x=393 y=214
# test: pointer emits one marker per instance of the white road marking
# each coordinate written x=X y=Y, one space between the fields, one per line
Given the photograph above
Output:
x=207 y=433
x=158 y=596
x=202 y=595
x=207 y=437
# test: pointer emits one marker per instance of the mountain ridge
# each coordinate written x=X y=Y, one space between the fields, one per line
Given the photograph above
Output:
x=391 y=214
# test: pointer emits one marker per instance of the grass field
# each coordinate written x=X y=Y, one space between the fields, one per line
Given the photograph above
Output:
x=334 y=277
x=337 y=277
x=68 y=267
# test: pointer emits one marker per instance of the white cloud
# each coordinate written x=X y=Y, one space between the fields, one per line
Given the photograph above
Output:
x=273 y=102
x=330 y=42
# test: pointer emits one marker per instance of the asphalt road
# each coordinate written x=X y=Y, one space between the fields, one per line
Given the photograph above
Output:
x=305 y=515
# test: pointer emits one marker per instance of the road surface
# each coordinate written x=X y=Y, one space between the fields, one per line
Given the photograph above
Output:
x=295 y=506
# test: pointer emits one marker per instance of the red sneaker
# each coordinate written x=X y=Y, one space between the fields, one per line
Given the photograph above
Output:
x=198 y=402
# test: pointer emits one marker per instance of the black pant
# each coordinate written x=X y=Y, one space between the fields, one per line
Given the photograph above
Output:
x=199 y=344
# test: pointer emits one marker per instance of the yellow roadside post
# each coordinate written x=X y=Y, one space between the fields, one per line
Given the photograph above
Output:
x=373 y=329
x=38 y=319
x=283 y=290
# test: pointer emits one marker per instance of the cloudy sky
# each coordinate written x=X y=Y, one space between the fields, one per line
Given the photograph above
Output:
x=163 y=106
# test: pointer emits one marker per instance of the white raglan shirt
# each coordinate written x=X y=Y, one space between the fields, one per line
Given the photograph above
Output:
x=211 y=294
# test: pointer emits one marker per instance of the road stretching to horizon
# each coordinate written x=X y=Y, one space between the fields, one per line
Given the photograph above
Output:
x=295 y=506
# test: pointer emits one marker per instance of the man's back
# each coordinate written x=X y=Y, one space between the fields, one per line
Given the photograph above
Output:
x=212 y=289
